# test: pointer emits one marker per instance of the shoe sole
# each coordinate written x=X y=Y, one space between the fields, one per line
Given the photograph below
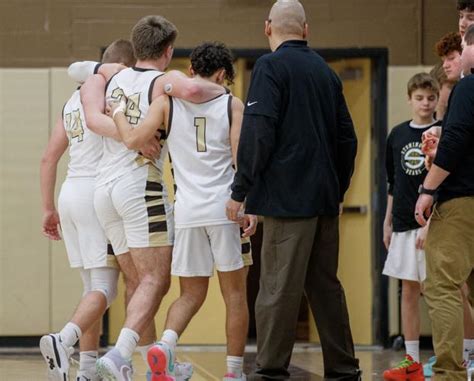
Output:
x=158 y=363
x=404 y=378
x=49 y=350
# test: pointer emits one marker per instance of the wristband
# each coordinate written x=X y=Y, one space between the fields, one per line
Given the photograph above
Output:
x=120 y=108
x=423 y=190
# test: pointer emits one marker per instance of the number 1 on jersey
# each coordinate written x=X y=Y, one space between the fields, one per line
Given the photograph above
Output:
x=200 y=124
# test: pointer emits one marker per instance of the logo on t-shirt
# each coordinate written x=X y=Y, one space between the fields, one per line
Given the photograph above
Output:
x=413 y=160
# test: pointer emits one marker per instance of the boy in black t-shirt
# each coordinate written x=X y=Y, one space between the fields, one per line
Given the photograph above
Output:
x=403 y=237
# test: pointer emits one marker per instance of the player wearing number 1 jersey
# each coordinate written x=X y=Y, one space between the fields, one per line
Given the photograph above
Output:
x=130 y=197
x=85 y=240
x=202 y=140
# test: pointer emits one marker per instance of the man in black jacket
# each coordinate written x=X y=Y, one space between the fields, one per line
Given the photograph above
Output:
x=295 y=160
x=450 y=243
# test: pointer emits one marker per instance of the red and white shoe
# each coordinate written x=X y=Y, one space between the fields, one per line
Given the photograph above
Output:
x=407 y=370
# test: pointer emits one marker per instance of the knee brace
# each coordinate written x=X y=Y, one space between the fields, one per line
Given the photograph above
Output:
x=104 y=280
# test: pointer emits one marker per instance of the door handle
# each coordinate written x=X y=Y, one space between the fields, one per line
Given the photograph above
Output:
x=355 y=209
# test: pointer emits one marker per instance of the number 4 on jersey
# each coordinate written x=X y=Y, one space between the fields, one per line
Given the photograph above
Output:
x=74 y=126
x=132 y=111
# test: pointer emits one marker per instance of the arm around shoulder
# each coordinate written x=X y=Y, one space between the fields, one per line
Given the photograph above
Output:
x=157 y=115
x=179 y=85
x=93 y=103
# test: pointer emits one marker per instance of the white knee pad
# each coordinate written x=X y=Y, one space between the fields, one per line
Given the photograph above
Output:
x=86 y=281
x=104 y=280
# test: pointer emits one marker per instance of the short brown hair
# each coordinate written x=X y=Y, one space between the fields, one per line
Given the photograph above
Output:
x=449 y=43
x=440 y=76
x=119 y=51
x=466 y=5
x=151 y=36
x=469 y=36
x=422 y=81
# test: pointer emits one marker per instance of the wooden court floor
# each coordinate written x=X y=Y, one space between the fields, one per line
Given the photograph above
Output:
x=209 y=364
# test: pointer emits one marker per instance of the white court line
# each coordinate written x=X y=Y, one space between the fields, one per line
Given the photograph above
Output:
x=209 y=376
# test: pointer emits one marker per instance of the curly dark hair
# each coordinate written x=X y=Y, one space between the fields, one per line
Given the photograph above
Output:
x=466 y=5
x=449 y=42
x=209 y=57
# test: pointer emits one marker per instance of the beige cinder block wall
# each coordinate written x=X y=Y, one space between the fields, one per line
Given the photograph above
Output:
x=52 y=33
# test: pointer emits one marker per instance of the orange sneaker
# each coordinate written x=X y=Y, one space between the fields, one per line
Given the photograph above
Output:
x=407 y=370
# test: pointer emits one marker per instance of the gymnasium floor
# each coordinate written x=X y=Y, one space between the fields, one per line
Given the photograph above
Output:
x=209 y=363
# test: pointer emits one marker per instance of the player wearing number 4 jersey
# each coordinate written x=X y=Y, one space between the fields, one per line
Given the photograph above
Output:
x=203 y=141
x=130 y=197
x=84 y=238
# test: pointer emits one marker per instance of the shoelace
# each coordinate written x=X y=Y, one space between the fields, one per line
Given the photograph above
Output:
x=405 y=363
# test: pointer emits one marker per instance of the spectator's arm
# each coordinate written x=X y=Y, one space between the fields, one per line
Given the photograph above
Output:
x=257 y=143
x=259 y=128
x=389 y=165
x=458 y=131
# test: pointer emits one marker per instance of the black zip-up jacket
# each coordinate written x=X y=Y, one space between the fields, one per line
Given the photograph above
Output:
x=298 y=145
x=456 y=147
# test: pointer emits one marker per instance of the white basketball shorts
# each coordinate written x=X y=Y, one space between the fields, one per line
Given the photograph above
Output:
x=85 y=240
x=404 y=261
x=198 y=249
x=134 y=210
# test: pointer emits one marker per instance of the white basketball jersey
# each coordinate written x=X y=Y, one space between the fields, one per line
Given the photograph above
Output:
x=200 y=149
x=136 y=85
x=85 y=147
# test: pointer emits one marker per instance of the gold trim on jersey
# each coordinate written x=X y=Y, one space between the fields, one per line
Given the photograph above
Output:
x=156 y=208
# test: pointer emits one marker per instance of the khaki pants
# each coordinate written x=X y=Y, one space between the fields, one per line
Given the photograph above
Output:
x=301 y=255
x=449 y=263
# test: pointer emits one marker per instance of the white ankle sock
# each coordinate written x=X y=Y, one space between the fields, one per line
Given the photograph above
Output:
x=170 y=337
x=235 y=365
x=143 y=350
x=127 y=342
x=413 y=349
x=87 y=360
x=468 y=347
x=70 y=334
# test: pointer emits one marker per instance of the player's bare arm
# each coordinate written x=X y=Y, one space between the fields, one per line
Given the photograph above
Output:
x=179 y=85
x=57 y=145
x=93 y=102
x=80 y=71
x=236 y=125
x=134 y=138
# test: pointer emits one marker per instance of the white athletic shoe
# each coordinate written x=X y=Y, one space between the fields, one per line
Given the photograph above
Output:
x=183 y=371
x=56 y=356
x=233 y=377
x=87 y=375
x=470 y=370
x=113 y=367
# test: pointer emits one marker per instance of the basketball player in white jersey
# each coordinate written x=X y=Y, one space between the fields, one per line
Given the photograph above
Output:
x=130 y=197
x=202 y=140
x=85 y=240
